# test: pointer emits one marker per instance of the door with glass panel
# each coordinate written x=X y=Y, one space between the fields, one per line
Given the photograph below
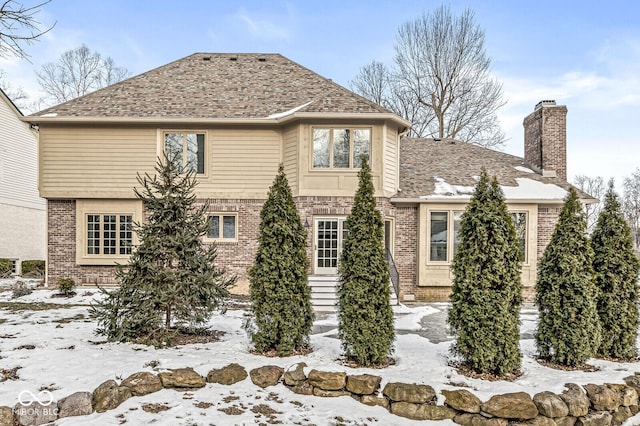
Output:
x=329 y=235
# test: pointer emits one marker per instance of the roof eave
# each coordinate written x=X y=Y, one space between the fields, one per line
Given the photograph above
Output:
x=465 y=200
x=234 y=121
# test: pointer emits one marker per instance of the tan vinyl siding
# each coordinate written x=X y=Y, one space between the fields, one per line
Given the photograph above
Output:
x=291 y=156
x=242 y=163
x=390 y=180
x=94 y=162
x=338 y=182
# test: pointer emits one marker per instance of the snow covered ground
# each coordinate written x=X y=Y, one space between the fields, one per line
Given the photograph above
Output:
x=56 y=350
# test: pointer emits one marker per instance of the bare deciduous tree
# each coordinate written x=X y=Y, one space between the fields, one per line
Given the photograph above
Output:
x=16 y=94
x=440 y=80
x=593 y=186
x=78 y=72
x=631 y=204
x=18 y=27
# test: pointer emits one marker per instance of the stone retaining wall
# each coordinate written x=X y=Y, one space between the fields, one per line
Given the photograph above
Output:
x=589 y=405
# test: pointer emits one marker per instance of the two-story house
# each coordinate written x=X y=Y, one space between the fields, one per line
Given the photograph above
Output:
x=235 y=118
x=22 y=211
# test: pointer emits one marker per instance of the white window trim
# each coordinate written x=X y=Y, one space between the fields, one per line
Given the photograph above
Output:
x=102 y=207
x=221 y=239
x=351 y=146
x=160 y=148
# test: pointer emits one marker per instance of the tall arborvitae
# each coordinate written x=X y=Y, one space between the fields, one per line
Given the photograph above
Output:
x=281 y=315
x=616 y=268
x=487 y=289
x=171 y=277
x=569 y=329
x=365 y=317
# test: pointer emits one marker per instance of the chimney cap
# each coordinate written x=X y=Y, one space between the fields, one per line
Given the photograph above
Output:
x=546 y=102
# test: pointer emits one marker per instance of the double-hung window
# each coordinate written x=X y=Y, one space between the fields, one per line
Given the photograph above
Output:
x=222 y=226
x=340 y=148
x=186 y=149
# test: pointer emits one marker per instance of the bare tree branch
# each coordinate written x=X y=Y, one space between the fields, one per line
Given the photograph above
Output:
x=19 y=27
x=78 y=72
x=593 y=186
x=631 y=204
x=441 y=80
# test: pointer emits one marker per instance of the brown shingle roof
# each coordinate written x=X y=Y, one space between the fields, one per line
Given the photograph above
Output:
x=428 y=167
x=215 y=85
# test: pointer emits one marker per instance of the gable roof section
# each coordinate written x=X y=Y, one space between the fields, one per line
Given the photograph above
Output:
x=448 y=171
x=219 y=86
x=9 y=102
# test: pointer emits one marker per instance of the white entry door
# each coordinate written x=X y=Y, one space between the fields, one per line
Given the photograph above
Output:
x=329 y=233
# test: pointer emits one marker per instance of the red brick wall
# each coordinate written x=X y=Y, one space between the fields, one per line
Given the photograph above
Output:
x=545 y=139
x=61 y=253
x=236 y=256
x=547 y=220
x=406 y=249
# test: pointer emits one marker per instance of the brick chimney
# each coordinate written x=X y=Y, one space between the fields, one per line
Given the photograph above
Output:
x=545 y=139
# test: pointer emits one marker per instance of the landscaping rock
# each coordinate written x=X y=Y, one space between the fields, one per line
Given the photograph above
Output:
x=109 y=395
x=6 y=416
x=232 y=373
x=620 y=415
x=76 y=404
x=599 y=418
x=538 y=421
x=269 y=375
x=34 y=414
x=468 y=419
x=634 y=382
x=628 y=395
x=330 y=393
x=516 y=405
x=413 y=393
x=603 y=398
x=577 y=401
x=296 y=376
x=327 y=380
x=303 y=388
x=462 y=400
x=422 y=411
x=185 y=378
x=363 y=384
x=373 y=400
x=142 y=383
x=565 y=421
x=551 y=405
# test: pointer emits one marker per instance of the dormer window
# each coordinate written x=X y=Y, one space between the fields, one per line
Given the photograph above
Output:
x=340 y=148
x=189 y=148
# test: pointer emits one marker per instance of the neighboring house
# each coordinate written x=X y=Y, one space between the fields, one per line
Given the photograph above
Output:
x=234 y=118
x=22 y=211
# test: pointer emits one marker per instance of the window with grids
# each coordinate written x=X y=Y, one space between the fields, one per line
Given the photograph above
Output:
x=187 y=150
x=222 y=227
x=340 y=148
x=109 y=234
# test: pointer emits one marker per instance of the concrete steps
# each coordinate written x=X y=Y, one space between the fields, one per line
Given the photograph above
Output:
x=323 y=293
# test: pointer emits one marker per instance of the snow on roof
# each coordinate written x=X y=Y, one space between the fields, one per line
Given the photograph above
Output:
x=291 y=111
x=526 y=189
x=523 y=169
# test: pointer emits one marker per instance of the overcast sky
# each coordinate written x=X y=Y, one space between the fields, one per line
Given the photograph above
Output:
x=584 y=54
